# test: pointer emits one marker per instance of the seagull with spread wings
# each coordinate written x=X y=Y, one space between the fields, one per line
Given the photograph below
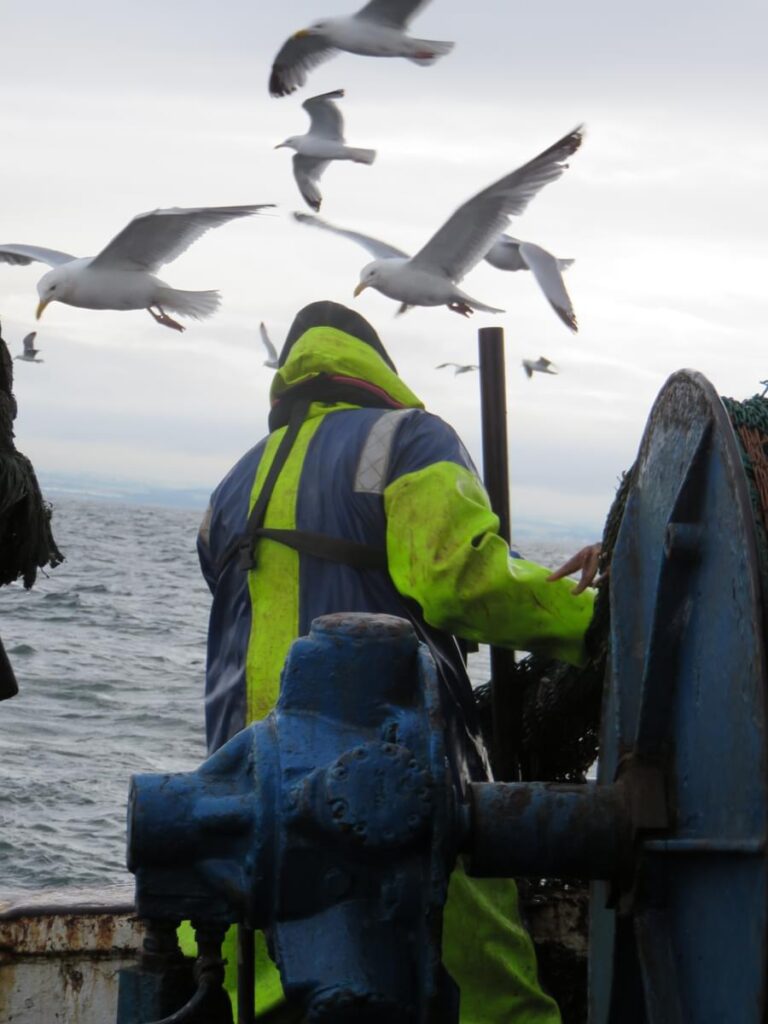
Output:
x=509 y=253
x=377 y=30
x=272 y=359
x=540 y=365
x=322 y=143
x=29 y=354
x=460 y=367
x=122 y=275
x=430 y=277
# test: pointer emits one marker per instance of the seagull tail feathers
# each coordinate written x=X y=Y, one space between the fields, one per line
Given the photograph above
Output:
x=196 y=305
x=361 y=156
x=427 y=51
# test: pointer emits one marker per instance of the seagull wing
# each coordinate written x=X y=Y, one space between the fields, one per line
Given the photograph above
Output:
x=394 y=13
x=324 y=116
x=528 y=367
x=504 y=254
x=298 y=55
x=442 y=366
x=29 y=344
x=545 y=269
x=158 y=237
x=272 y=358
x=307 y=171
x=542 y=365
x=379 y=250
x=23 y=255
x=467 y=236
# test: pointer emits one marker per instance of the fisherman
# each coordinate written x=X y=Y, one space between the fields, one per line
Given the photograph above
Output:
x=359 y=500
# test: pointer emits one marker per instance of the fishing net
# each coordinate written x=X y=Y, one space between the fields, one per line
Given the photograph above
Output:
x=26 y=541
x=750 y=421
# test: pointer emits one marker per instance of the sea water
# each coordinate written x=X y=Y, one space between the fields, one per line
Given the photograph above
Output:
x=109 y=653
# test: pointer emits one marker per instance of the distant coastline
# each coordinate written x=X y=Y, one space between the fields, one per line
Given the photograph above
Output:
x=130 y=492
x=125 y=492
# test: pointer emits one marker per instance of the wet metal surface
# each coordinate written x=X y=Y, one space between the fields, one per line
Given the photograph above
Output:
x=548 y=830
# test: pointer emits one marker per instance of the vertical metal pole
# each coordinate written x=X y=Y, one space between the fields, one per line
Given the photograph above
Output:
x=505 y=699
x=246 y=975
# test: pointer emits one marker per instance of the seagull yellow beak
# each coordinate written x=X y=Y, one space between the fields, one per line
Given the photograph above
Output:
x=40 y=307
x=302 y=33
x=361 y=287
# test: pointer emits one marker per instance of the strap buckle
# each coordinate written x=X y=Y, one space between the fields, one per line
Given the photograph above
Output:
x=246 y=556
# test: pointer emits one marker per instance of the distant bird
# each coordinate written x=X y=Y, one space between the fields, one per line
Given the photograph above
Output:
x=429 y=278
x=541 y=365
x=509 y=253
x=322 y=143
x=122 y=275
x=460 y=367
x=376 y=30
x=765 y=388
x=29 y=355
x=272 y=359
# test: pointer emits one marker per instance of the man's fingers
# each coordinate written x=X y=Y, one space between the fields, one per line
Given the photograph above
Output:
x=590 y=570
x=588 y=573
x=585 y=560
x=572 y=565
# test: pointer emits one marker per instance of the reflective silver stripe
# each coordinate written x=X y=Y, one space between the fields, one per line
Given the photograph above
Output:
x=373 y=465
x=205 y=527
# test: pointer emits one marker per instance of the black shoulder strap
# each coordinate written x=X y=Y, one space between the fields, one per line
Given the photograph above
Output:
x=244 y=544
x=321 y=545
x=332 y=549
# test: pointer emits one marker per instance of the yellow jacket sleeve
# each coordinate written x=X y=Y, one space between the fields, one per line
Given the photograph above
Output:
x=444 y=551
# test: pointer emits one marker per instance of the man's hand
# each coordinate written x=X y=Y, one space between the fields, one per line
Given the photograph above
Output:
x=585 y=560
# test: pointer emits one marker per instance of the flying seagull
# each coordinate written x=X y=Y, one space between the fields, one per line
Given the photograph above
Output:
x=29 y=355
x=122 y=275
x=430 y=277
x=322 y=143
x=460 y=367
x=509 y=253
x=272 y=357
x=541 y=365
x=377 y=30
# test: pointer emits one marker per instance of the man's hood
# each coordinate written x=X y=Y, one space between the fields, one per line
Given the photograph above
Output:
x=329 y=353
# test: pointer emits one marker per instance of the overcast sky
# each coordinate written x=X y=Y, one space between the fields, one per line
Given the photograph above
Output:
x=110 y=110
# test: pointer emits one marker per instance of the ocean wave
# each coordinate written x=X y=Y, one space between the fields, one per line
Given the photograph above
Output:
x=21 y=649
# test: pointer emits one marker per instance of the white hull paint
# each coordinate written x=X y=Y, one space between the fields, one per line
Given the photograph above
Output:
x=60 y=953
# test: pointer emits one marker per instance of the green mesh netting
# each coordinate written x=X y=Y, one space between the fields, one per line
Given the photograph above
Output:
x=750 y=421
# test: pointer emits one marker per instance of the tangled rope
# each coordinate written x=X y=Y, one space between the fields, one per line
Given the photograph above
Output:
x=26 y=540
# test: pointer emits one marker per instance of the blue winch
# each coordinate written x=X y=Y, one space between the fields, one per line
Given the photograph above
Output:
x=334 y=823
